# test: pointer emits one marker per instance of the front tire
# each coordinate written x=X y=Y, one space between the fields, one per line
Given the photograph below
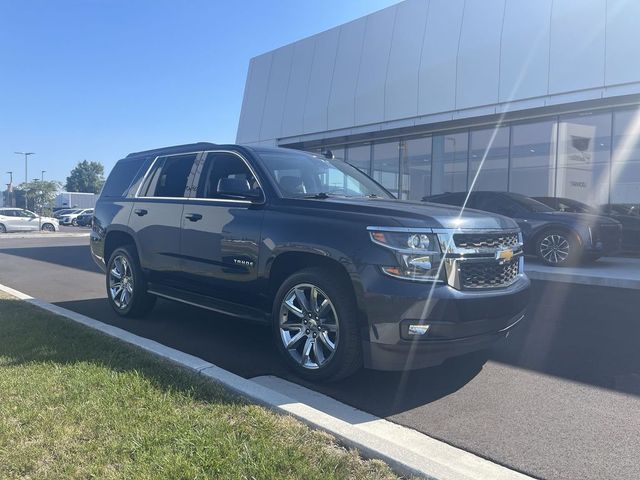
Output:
x=48 y=227
x=3 y=229
x=126 y=285
x=315 y=325
x=558 y=248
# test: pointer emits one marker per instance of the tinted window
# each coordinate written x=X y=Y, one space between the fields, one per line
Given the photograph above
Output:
x=489 y=159
x=221 y=166
x=121 y=177
x=449 y=169
x=415 y=157
x=360 y=157
x=8 y=213
x=386 y=165
x=169 y=176
x=495 y=204
x=527 y=203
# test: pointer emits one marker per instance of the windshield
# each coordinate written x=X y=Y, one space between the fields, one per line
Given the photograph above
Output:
x=300 y=174
x=530 y=204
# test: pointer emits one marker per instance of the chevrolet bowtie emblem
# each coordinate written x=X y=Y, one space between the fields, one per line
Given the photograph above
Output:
x=506 y=254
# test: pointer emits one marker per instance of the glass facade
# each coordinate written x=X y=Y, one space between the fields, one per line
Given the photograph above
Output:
x=592 y=157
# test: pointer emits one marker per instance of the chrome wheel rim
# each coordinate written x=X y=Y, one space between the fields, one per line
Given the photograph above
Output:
x=308 y=326
x=48 y=228
x=555 y=248
x=121 y=282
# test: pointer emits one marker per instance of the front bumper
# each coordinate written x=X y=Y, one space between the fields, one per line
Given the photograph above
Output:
x=459 y=321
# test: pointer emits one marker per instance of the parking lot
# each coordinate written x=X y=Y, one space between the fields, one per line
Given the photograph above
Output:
x=559 y=399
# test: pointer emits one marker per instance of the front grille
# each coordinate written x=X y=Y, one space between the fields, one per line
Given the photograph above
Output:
x=485 y=240
x=474 y=275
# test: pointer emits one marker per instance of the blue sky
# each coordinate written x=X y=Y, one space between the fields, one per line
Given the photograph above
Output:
x=96 y=79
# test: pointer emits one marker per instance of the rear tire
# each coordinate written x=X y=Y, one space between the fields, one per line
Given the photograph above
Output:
x=315 y=325
x=126 y=285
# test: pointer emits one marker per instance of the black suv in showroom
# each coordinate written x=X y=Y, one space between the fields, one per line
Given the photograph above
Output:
x=556 y=238
x=346 y=275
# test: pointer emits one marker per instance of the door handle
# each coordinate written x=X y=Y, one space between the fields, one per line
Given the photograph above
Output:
x=194 y=217
x=141 y=212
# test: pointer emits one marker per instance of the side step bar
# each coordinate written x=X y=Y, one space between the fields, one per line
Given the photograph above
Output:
x=208 y=303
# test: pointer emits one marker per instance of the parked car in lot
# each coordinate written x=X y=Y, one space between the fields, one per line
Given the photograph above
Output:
x=20 y=220
x=84 y=220
x=556 y=238
x=623 y=214
x=72 y=217
x=346 y=274
x=63 y=211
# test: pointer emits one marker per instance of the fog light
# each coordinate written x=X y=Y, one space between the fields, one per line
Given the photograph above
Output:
x=418 y=329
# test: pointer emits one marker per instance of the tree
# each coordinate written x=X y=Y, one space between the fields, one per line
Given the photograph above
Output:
x=87 y=177
x=39 y=195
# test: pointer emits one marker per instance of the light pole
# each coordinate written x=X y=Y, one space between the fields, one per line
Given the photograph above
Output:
x=10 y=190
x=26 y=171
x=42 y=175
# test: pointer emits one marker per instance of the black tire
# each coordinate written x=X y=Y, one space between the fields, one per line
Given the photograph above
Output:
x=74 y=222
x=139 y=302
x=558 y=248
x=3 y=229
x=346 y=358
x=48 y=227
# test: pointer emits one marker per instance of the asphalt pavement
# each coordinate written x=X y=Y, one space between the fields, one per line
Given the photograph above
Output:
x=560 y=399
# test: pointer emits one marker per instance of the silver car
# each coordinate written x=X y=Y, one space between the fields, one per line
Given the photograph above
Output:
x=20 y=220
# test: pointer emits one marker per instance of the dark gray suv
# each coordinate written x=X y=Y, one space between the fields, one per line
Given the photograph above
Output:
x=346 y=275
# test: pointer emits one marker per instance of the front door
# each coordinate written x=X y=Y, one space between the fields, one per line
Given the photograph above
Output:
x=221 y=232
x=157 y=214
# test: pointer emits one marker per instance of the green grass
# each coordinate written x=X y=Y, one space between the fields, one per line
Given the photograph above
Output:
x=77 y=404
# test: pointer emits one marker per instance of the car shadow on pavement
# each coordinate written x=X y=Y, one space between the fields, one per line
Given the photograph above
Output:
x=72 y=256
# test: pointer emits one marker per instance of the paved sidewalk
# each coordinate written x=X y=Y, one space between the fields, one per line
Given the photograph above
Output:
x=607 y=272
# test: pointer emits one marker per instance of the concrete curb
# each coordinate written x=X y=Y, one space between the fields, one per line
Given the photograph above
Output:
x=583 y=279
x=19 y=236
x=406 y=451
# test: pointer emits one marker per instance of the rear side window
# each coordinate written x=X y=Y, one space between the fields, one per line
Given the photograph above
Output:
x=121 y=177
x=169 y=176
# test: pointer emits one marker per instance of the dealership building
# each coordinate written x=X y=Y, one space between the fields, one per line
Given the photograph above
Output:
x=540 y=97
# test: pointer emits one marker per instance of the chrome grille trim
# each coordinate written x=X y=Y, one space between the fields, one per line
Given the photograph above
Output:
x=481 y=256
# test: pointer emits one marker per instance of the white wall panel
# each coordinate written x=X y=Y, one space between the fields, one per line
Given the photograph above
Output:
x=623 y=44
x=524 y=58
x=315 y=110
x=479 y=53
x=577 y=45
x=254 y=97
x=369 y=98
x=401 y=91
x=437 y=74
x=276 y=93
x=293 y=117
x=340 y=111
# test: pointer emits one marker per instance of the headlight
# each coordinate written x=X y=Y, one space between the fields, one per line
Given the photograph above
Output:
x=418 y=254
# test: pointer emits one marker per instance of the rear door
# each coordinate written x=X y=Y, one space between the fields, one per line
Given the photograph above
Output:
x=221 y=233
x=10 y=220
x=157 y=214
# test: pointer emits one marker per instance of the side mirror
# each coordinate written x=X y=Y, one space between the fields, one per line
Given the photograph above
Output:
x=237 y=188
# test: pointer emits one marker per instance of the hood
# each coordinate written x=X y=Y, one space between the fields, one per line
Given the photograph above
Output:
x=404 y=213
